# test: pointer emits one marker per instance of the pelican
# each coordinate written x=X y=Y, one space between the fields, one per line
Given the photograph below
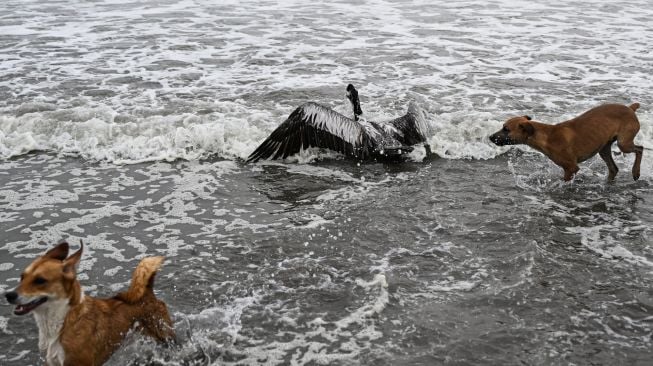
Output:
x=315 y=125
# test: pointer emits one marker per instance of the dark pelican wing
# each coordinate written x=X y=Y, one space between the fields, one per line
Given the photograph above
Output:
x=412 y=128
x=314 y=125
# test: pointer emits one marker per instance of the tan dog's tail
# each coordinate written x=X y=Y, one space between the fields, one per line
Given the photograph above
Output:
x=634 y=106
x=154 y=319
x=142 y=280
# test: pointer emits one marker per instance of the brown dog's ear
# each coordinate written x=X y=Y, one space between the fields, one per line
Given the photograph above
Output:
x=70 y=264
x=528 y=117
x=527 y=128
x=60 y=252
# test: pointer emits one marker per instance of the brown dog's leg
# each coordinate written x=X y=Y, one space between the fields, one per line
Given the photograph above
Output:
x=606 y=154
x=570 y=170
x=639 y=150
x=628 y=146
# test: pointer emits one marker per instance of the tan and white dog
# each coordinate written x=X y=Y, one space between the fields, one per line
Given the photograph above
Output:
x=79 y=330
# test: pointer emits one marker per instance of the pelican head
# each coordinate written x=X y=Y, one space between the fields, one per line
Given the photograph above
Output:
x=352 y=95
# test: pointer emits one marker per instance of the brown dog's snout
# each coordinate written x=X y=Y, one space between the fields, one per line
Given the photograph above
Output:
x=500 y=138
x=493 y=138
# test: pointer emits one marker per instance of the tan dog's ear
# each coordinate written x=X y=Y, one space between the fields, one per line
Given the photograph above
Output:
x=60 y=252
x=70 y=264
x=528 y=128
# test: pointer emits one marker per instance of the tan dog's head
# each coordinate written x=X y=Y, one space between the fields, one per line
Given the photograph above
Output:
x=515 y=131
x=50 y=277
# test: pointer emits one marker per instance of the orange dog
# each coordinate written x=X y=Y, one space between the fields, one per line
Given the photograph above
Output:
x=574 y=141
x=80 y=330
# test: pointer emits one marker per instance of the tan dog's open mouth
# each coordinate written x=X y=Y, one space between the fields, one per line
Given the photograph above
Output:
x=23 y=309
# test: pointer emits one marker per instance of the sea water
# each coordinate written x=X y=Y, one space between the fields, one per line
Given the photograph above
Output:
x=125 y=124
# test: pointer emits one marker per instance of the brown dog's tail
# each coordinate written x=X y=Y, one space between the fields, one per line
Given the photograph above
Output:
x=634 y=106
x=142 y=280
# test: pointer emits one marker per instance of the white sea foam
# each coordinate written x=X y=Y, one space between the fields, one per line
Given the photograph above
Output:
x=603 y=240
x=313 y=221
x=368 y=310
x=3 y=325
x=352 y=333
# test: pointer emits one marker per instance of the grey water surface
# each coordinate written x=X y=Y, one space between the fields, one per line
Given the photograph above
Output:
x=125 y=125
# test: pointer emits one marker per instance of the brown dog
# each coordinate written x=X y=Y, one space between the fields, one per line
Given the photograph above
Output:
x=571 y=142
x=80 y=330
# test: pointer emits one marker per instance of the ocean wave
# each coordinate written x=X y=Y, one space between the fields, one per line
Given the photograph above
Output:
x=230 y=131
x=98 y=134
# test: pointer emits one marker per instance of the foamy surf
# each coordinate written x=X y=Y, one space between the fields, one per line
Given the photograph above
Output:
x=232 y=131
x=96 y=134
